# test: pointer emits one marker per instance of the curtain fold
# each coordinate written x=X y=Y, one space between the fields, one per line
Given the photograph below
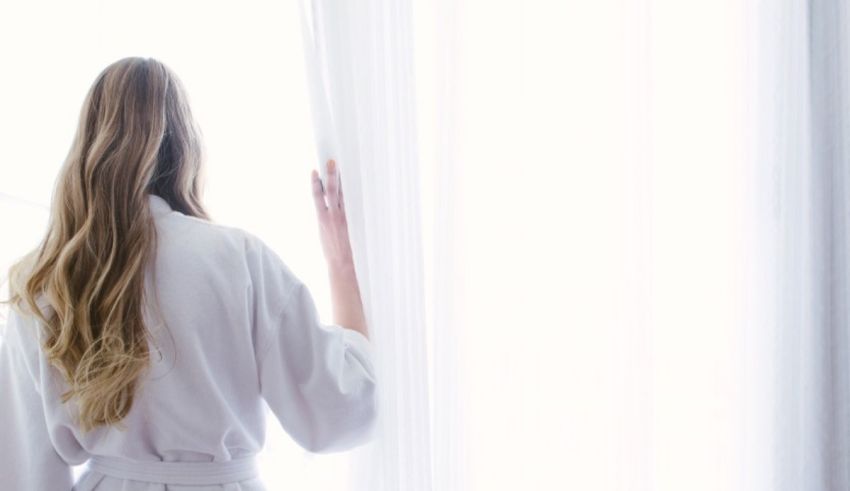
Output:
x=830 y=86
x=360 y=61
x=798 y=402
x=809 y=220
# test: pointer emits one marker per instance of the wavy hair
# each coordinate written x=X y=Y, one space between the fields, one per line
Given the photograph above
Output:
x=136 y=136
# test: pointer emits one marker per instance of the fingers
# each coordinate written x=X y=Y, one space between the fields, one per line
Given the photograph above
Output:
x=341 y=197
x=318 y=192
x=332 y=193
x=329 y=197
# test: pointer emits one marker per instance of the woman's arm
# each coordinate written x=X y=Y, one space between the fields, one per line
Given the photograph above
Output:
x=333 y=231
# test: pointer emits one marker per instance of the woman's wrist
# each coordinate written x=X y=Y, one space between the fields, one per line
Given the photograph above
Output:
x=341 y=267
x=345 y=297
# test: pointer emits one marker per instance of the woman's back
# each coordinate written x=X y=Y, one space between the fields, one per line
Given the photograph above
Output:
x=230 y=326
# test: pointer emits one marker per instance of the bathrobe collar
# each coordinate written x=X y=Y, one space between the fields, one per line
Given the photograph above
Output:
x=159 y=207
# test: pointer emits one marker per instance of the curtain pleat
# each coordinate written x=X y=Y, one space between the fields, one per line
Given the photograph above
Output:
x=362 y=53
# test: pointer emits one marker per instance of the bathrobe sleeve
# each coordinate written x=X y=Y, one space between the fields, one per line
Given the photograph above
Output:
x=318 y=379
x=28 y=459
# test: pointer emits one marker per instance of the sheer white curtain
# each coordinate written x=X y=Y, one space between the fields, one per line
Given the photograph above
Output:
x=360 y=61
x=535 y=145
x=634 y=223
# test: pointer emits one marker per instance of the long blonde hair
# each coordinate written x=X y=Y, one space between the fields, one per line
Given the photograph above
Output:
x=136 y=136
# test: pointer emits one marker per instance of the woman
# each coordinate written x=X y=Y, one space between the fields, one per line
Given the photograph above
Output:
x=144 y=338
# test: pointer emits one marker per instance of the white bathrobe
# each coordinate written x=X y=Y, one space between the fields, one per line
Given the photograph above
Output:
x=240 y=328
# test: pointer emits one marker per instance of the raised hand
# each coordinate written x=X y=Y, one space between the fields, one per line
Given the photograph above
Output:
x=330 y=211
